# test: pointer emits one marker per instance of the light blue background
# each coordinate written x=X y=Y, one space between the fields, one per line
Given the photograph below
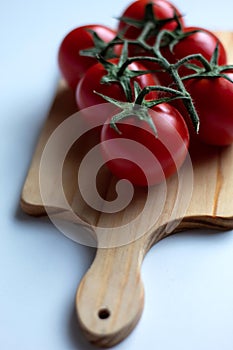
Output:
x=188 y=277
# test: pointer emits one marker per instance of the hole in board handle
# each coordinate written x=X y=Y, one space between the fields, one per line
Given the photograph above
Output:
x=104 y=313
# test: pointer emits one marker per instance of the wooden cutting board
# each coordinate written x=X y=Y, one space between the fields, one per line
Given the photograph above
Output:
x=109 y=299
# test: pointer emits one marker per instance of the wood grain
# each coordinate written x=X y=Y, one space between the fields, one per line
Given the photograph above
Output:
x=109 y=300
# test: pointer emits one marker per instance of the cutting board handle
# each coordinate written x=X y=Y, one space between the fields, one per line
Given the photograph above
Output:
x=110 y=297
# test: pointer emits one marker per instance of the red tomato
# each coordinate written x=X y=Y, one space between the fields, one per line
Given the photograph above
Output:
x=91 y=81
x=213 y=98
x=125 y=158
x=203 y=42
x=162 y=9
x=71 y=64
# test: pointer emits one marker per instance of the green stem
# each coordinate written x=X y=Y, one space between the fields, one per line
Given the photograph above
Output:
x=172 y=71
x=156 y=48
x=188 y=101
x=141 y=43
x=197 y=57
x=105 y=63
x=139 y=100
x=146 y=30
x=112 y=43
x=138 y=58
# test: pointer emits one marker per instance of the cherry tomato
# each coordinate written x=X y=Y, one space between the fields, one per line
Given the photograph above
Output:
x=203 y=42
x=91 y=81
x=72 y=65
x=127 y=161
x=212 y=97
x=162 y=9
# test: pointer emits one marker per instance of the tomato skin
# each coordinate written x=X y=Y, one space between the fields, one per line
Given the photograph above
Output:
x=162 y=9
x=72 y=65
x=213 y=99
x=170 y=148
x=203 y=42
x=91 y=81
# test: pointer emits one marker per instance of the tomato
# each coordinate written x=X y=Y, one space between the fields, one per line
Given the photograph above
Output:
x=72 y=65
x=91 y=81
x=127 y=161
x=213 y=97
x=162 y=9
x=203 y=42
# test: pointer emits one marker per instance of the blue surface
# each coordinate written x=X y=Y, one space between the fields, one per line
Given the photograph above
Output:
x=188 y=277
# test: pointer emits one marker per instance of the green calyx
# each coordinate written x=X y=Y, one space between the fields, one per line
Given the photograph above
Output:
x=129 y=109
x=120 y=73
x=209 y=69
x=172 y=38
x=101 y=47
x=150 y=17
x=139 y=108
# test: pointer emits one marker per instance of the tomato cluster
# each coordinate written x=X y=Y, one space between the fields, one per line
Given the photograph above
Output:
x=169 y=82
